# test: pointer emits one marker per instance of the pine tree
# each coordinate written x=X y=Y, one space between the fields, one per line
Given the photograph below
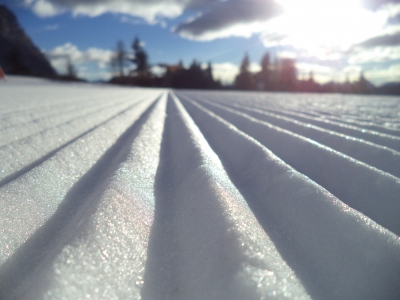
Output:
x=264 y=78
x=244 y=80
x=140 y=59
x=265 y=63
x=244 y=66
x=208 y=71
x=118 y=60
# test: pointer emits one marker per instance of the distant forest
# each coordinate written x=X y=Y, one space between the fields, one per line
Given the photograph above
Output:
x=175 y=76
x=279 y=74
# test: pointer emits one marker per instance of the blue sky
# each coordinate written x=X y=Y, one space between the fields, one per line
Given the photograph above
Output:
x=335 y=39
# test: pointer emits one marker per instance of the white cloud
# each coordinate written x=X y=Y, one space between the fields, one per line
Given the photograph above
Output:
x=309 y=67
x=375 y=55
x=157 y=70
x=254 y=67
x=287 y=54
x=353 y=69
x=91 y=63
x=382 y=75
x=214 y=19
x=308 y=24
x=324 y=73
x=378 y=4
x=43 y=8
x=225 y=72
x=238 y=30
x=149 y=10
x=137 y=21
x=101 y=56
x=316 y=24
x=97 y=55
x=229 y=18
x=88 y=74
x=320 y=31
x=392 y=9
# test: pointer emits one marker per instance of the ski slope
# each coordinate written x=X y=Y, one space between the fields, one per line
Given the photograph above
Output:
x=127 y=193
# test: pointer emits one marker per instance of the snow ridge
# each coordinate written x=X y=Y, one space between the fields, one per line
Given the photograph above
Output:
x=130 y=193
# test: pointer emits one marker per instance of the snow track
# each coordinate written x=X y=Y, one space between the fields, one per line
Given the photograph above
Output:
x=125 y=193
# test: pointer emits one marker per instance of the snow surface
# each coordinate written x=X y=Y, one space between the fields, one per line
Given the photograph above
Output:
x=128 y=193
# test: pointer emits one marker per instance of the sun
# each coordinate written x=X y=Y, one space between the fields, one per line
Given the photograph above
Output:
x=328 y=24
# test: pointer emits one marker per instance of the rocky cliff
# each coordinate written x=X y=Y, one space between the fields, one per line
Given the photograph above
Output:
x=18 y=54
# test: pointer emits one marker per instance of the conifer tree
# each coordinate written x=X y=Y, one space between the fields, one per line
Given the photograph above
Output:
x=140 y=59
x=244 y=80
x=118 y=60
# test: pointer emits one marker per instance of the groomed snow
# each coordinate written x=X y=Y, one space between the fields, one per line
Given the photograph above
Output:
x=128 y=193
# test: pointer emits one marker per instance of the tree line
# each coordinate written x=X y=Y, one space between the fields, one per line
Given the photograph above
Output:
x=175 y=76
x=278 y=74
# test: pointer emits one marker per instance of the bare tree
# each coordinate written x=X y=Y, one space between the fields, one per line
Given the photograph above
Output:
x=119 y=59
x=71 y=72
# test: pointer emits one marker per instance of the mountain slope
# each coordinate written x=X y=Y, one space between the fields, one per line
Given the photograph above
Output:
x=18 y=54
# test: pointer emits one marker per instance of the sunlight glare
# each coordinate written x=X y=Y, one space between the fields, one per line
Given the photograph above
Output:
x=316 y=24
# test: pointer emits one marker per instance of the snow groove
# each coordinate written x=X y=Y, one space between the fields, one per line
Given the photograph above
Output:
x=31 y=150
x=41 y=191
x=129 y=193
x=291 y=208
x=41 y=124
x=342 y=175
x=204 y=221
x=370 y=135
x=375 y=155
x=89 y=214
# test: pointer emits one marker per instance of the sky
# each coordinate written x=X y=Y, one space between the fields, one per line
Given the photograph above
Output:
x=335 y=39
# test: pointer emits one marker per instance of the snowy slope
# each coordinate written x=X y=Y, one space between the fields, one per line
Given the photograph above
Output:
x=128 y=193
